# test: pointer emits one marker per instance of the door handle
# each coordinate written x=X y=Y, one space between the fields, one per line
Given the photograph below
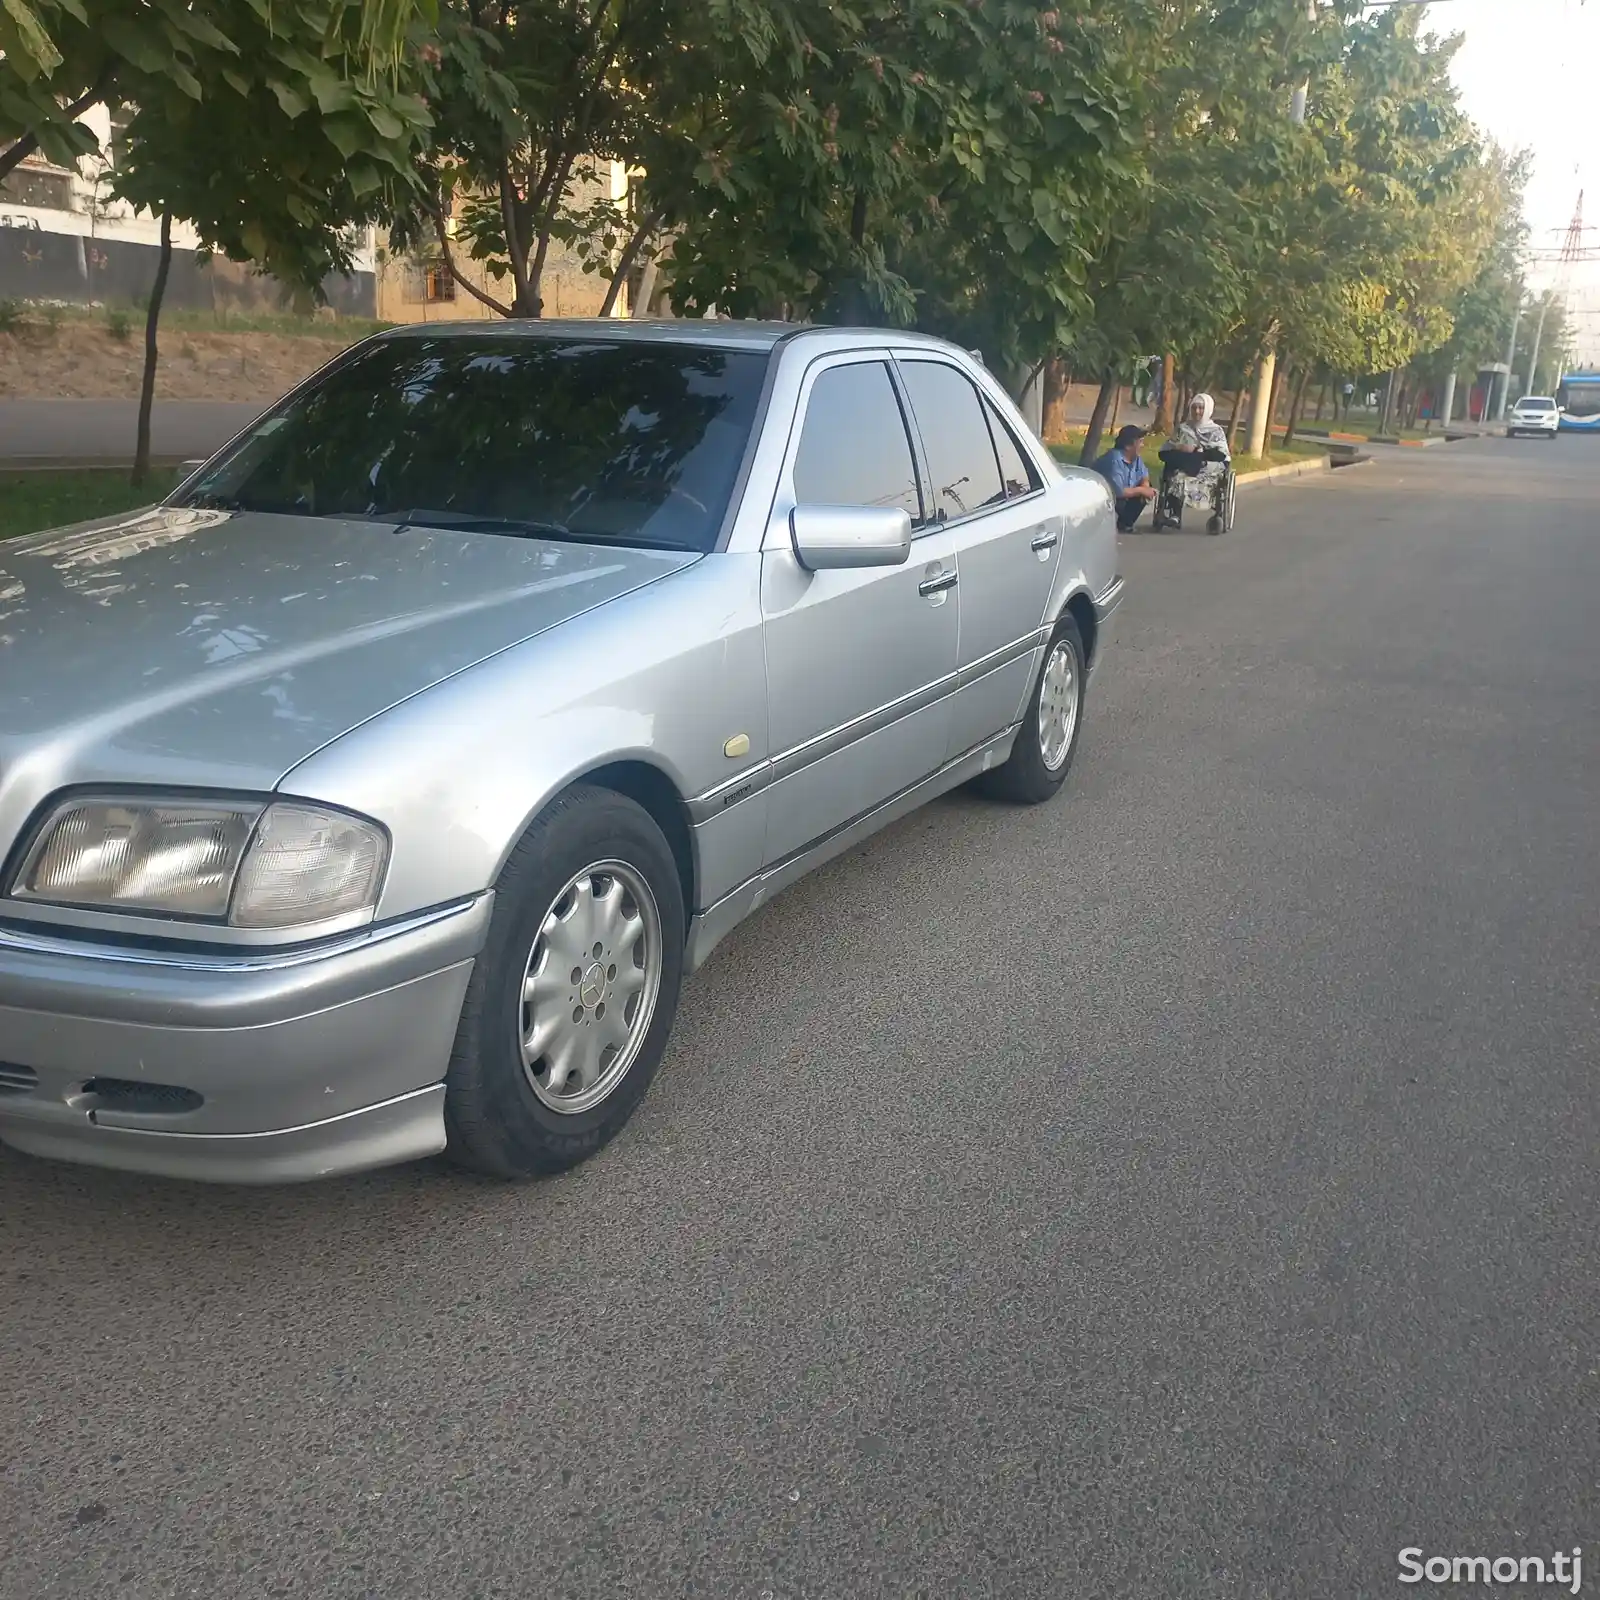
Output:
x=1046 y=541
x=939 y=582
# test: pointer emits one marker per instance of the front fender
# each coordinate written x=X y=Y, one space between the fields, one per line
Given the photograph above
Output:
x=664 y=676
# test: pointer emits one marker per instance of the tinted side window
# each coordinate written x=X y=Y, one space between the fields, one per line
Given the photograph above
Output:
x=961 y=458
x=854 y=450
x=1015 y=468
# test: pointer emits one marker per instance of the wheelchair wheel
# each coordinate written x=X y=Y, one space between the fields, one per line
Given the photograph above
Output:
x=1222 y=515
x=1168 y=512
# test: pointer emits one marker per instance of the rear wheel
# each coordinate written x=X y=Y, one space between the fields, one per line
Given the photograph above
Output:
x=570 y=1005
x=1048 y=738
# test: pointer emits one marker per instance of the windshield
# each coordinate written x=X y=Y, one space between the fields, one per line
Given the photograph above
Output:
x=601 y=441
x=1535 y=405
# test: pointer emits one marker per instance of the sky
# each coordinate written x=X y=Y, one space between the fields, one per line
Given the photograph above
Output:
x=1527 y=74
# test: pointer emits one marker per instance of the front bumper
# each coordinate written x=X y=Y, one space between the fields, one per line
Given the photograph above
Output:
x=1530 y=425
x=234 y=1067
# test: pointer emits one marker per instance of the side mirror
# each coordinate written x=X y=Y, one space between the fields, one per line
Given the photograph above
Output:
x=827 y=537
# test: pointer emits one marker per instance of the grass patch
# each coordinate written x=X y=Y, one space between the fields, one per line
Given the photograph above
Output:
x=31 y=501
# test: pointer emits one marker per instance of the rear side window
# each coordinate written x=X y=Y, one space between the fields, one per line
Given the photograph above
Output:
x=1016 y=469
x=854 y=449
x=955 y=435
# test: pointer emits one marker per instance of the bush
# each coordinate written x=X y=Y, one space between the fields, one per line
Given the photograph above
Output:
x=10 y=316
x=119 y=325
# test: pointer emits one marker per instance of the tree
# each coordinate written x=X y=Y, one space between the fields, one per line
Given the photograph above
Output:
x=60 y=57
x=274 y=127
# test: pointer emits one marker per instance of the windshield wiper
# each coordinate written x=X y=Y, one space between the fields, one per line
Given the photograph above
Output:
x=470 y=522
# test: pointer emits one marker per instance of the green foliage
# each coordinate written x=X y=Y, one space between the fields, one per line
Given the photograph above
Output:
x=10 y=316
x=57 y=57
x=1110 y=177
x=271 y=125
x=119 y=324
x=940 y=164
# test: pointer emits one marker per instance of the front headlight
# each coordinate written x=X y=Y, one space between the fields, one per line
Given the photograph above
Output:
x=246 y=863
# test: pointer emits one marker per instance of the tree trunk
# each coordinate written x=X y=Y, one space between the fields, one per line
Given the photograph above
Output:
x=1295 y=405
x=1097 y=422
x=1388 y=402
x=1055 y=400
x=1238 y=414
x=526 y=275
x=1280 y=372
x=1162 y=426
x=647 y=288
x=147 y=388
x=1116 y=410
x=1322 y=398
x=630 y=254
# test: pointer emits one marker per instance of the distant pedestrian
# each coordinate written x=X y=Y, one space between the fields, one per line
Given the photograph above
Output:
x=1141 y=382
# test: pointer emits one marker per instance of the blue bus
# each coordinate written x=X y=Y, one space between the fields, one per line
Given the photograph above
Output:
x=1579 y=399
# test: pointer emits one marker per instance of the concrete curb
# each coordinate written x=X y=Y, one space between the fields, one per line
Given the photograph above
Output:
x=1290 y=469
x=1384 y=438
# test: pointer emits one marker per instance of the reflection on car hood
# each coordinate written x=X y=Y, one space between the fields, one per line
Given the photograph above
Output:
x=209 y=647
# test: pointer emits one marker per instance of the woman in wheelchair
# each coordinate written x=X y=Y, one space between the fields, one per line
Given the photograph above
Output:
x=1198 y=471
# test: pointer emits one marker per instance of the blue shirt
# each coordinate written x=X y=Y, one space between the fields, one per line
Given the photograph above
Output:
x=1121 y=473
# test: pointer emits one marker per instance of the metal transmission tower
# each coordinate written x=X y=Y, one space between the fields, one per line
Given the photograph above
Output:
x=1575 y=250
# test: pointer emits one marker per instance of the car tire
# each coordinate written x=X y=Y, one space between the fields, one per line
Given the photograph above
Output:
x=534 y=1085
x=1042 y=757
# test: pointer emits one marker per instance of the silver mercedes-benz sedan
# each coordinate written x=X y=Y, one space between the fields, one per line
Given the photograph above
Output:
x=373 y=795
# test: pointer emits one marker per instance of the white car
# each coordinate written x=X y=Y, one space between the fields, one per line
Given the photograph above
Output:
x=1535 y=414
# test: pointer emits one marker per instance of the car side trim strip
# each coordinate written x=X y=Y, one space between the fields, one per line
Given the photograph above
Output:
x=1004 y=656
x=798 y=757
x=715 y=922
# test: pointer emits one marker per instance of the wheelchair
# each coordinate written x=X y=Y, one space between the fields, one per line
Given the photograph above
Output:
x=1219 y=491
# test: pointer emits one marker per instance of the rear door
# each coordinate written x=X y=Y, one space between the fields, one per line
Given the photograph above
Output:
x=860 y=664
x=988 y=496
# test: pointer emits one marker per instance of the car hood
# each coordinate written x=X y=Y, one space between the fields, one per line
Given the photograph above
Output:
x=203 y=647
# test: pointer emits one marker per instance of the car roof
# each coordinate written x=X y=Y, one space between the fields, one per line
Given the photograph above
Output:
x=717 y=333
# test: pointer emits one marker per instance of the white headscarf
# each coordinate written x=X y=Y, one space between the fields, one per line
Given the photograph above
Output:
x=1204 y=434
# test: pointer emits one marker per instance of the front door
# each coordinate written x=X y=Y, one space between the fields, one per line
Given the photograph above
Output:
x=860 y=664
x=990 y=498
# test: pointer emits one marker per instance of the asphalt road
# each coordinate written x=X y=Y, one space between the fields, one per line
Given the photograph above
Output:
x=1186 y=1189
x=42 y=432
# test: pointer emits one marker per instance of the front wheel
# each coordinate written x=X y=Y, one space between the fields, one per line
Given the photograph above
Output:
x=569 y=1007
x=1048 y=738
